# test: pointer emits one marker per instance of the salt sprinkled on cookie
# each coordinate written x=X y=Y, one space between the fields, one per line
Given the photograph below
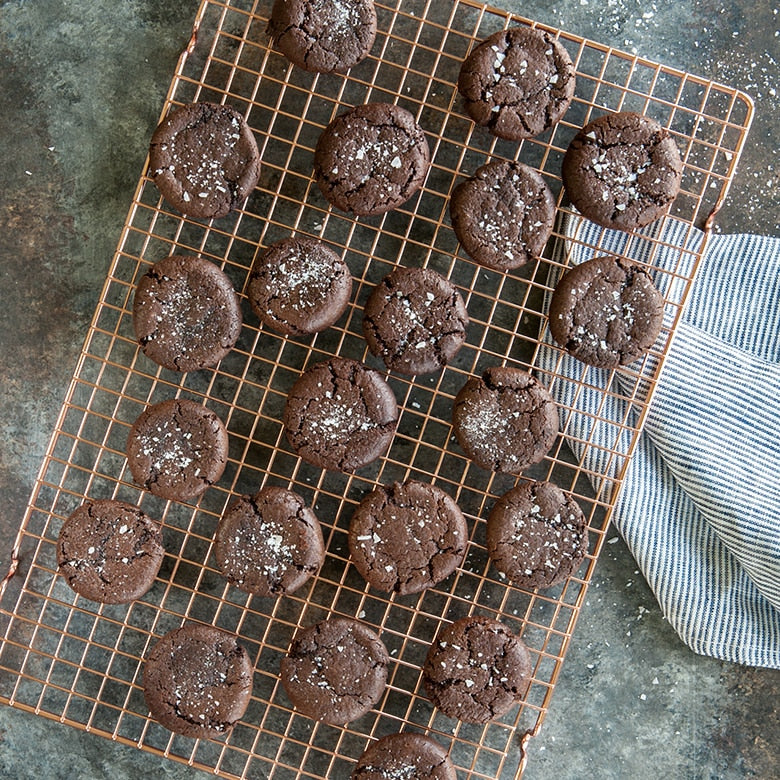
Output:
x=340 y=415
x=606 y=312
x=536 y=535
x=503 y=215
x=371 y=159
x=622 y=170
x=517 y=82
x=415 y=320
x=204 y=159
x=186 y=314
x=177 y=448
x=406 y=537
x=335 y=670
x=109 y=551
x=505 y=420
x=270 y=543
x=324 y=36
x=299 y=286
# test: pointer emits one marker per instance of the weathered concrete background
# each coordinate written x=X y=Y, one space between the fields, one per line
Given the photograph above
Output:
x=81 y=87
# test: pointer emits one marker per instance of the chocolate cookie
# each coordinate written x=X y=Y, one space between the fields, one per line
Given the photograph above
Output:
x=340 y=415
x=606 y=312
x=186 y=314
x=503 y=215
x=109 y=551
x=476 y=669
x=406 y=537
x=177 y=448
x=335 y=670
x=517 y=82
x=324 y=36
x=506 y=420
x=415 y=320
x=270 y=543
x=204 y=160
x=404 y=756
x=371 y=159
x=198 y=681
x=299 y=286
x=622 y=170
x=536 y=535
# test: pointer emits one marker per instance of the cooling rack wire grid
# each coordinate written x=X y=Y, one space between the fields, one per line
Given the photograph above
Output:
x=80 y=663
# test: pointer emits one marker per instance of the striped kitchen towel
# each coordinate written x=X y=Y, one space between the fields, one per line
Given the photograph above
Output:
x=700 y=503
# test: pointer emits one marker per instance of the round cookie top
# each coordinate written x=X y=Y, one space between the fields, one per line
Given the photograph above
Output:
x=335 y=670
x=340 y=415
x=198 y=681
x=536 y=535
x=270 y=543
x=476 y=669
x=606 y=312
x=186 y=314
x=622 y=170
x=405 y=756
x=503 y=215
x=299 y=286
x=371 y=159
x=324 y=36
x=177 y=448
x=506 y=420
x=406 y=537
x=203 y=157
x=517 y=82
x=415 y=320
x=109 y=551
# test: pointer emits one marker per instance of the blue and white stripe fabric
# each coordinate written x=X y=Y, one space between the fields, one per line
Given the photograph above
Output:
x=700 y=503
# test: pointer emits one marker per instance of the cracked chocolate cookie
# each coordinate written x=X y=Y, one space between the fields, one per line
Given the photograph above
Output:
x=517 y=83
x=476 y=669
x=198 y=681
x=606 y=312
x=405 y=756
x=503 y=215
x=299 y=286
x=536 y=535
x=335 y=670
x=340 y=415
x=186 y=314
x=176 y=449
x=325 y=36
x=406 y=537
x=204 y=160
x=109 y=551
x=415 y=320
x=371 y=159
x=622 y=170
x=506 y=420
x=270 y=543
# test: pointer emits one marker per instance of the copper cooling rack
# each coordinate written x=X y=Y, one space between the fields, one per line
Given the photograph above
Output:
x=80 y=663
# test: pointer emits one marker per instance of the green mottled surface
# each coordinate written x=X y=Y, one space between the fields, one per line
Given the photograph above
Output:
x=81 y=87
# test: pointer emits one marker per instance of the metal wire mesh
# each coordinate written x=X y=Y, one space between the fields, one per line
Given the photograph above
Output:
x=69 y=659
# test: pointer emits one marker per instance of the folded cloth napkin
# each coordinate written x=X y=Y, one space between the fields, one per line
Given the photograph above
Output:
x=700 y=502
